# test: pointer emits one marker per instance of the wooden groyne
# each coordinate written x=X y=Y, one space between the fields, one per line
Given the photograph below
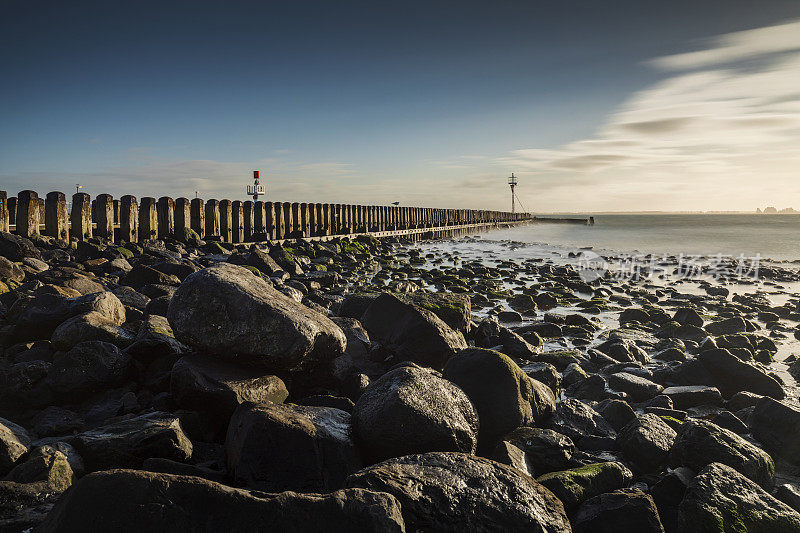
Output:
x=129 y=219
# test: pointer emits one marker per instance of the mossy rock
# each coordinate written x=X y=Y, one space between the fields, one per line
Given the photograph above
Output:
x=577 y=485
x=127 y=254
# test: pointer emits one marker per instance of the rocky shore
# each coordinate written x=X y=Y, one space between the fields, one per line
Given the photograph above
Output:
x=364 y=385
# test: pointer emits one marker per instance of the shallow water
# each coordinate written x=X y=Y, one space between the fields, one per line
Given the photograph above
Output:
x=773 y=236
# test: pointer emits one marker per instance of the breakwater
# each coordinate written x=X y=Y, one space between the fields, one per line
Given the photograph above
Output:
x=129 y=219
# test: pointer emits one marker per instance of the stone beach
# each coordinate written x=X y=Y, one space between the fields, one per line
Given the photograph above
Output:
x=363 y=384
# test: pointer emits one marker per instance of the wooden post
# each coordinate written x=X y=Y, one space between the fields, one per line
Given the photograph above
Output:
x=305 y=219
x=197 y=212
x=259 y=217
x=247 y=219
x=288 y=223
x=81 y=216
x=166 y=217
x=226 y=221
x=148 y=221
x=56 y=217
x=237 y=221
x=270 y=221
x=212 y=219
x=128 y=219
x=4 y=211
x=104 y=216
x=27 y=213
x=183 y=217
x=12 y=210
x=297 y=228
x=116 y=211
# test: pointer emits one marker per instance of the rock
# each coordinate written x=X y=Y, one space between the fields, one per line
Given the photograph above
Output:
x=228 y=311
x=262 y=261
x=721 y=499
x=621 y=510
x=410 y=410
x=618 y=413
x=789 y=494
x=23 y=506
x=143 y=275
x=88 y=367
x=16 y=248
x=730 y=421
x=623 y=350
x=11 y=271
x=688 y=316
x=39 y=317
x=126 y=443
x=44 y=463
x=687 y=396
x=275 y=447
x=544 y=372
x=639 y=389
x=134 y=501
x=91 y=326
x=215 y=388
x=53 y=421
x=776 y=426
x=546 y=450
x=576 y=420
x=700 y=443
x=577 y=485
x=734 y=375
x=453 y=309
x=503 y=395
x=646 y=441
x=634 y=314
x=410 y=332
x=14 y=444
x=727 y=326
x=668 y=492
x=155 y=340
x=456 y=492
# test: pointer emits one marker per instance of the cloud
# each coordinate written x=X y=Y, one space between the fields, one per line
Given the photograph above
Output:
x=721 y=130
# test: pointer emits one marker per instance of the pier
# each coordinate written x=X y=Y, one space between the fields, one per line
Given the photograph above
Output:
x=129 y=219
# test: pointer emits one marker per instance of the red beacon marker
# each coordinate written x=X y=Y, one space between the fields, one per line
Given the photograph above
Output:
x=256 y=188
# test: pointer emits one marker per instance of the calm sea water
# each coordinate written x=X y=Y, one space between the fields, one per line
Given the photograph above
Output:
x=772 y=236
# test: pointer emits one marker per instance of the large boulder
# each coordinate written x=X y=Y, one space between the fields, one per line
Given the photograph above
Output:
x=91 y=326
x=88 y=367
x=545 y=450
x=38 y=317
x=504 y=396
x=127 y=443
x=410 y=332
x=16 y=247
x=215 y=388
x=275 y=447
x=721 y=499
x=577 y=485
x=411 y=410
x=646 y=441
x=777 y=426
x=621 y=510
x=734 y=375
x=134 y=501
x=228 y=311
x=457 y=492
x=700 y=443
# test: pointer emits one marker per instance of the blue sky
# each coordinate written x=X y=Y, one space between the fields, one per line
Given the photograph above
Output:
x=595 y=105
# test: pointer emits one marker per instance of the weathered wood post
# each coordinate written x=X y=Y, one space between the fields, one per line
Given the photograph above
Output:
x=116 y=211
x=27 y=213
x=271 y=221
x=56 y=216
x=183 y=217
x=212 y=219
x=260 y=217
x=297 y=227
x=305 y=219
x=12 y=210
x=148 y=220
x=128 y=219
x=247 y=220
x=226 y=220
x=277 y=220
x=166 y=217
x=197 y=212
x=81 y=216
x=4 y=211
x=326 y=219
x=288 y=222
x=104 y=216
x=237 y=222
x=312 y=220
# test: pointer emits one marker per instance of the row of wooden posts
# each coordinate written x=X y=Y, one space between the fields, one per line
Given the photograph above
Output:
x=228 y=221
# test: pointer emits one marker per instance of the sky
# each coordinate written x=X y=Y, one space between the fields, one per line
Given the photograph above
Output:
x=627 y=105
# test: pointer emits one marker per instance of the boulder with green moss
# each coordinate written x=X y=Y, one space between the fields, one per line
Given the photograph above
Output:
x=577 y=485
x=720 y=499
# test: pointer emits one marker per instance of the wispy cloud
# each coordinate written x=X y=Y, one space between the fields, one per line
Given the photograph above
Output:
x=723 y=125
